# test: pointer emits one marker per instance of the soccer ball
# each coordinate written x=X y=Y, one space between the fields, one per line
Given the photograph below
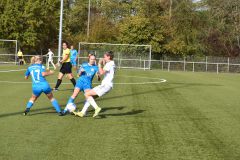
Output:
x=71 y=107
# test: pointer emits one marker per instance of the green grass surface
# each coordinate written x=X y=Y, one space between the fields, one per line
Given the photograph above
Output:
x=191 y=116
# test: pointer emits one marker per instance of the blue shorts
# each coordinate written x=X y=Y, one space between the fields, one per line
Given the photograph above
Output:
x=38 y=89
x=83 y=85
x=73 y=62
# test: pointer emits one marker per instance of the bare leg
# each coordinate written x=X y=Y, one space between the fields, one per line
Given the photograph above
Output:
x=53 y=65
x=48 y=64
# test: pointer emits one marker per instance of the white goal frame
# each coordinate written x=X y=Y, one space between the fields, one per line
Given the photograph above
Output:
x=115 y=44
x=16 y=45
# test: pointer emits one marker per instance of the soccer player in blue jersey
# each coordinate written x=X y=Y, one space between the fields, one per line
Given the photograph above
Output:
x=40 y=84
x=84 y=83
x=73 y=57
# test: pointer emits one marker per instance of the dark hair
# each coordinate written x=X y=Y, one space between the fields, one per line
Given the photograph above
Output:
x=65 y=43
x=90 y=54
x=110 y=54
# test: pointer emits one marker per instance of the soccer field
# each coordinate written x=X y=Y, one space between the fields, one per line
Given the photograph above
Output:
x=192 y=116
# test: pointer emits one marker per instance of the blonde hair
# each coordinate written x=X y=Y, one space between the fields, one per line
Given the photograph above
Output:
x=35 y=59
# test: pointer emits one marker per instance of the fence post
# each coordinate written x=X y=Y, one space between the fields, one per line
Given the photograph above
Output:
x=162 y=64
x=16 y=51
x=217 y=68
x=184 y=67
x=228 y=64
x=168 y=66
x=46 y=61
x=206 y=63
x=193 y=67
x=120 y=63
x=78 y=61
x=95 y=52
x=144 y=64
x=140 y=61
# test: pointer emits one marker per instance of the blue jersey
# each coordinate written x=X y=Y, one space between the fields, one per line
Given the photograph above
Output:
x=89 y=72
x=74 y=54
x=35 y=71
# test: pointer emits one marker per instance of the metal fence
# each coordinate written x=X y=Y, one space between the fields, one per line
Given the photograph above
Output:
x=199 y=64
x=202 y=64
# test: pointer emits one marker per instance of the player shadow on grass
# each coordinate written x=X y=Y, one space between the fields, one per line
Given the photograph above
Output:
x=109 y=108
x=103 y=113
x=181 y=85
x=129 y=113
x=34 y=111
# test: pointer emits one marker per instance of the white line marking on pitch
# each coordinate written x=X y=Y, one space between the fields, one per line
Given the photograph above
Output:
x=6 y=71
x=132 y=83
x=137 y=83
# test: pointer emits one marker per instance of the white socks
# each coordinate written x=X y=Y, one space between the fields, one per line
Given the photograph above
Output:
x=92 y=102
x=85 y=107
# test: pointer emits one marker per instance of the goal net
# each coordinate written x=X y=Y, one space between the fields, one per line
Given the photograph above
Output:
x=125 y=55
x=8 y=51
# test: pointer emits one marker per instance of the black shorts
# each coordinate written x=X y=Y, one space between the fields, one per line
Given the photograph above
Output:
x=66 y=68
x=20 y=57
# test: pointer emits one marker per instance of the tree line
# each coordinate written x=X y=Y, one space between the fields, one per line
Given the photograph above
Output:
x=172 y=27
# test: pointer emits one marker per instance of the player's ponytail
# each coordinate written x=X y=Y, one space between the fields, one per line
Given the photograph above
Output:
x=38 y=58
x=90 y=54
x=110 y=54
x=35 y=59
x=32 y=60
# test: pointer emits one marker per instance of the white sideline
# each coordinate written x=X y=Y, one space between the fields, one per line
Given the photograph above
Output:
x=137 y=83
x=16 y=70
x=132 y=83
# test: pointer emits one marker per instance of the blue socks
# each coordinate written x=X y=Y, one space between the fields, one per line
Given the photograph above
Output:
x=29 y=104
x=70 y=100
x=56 y=105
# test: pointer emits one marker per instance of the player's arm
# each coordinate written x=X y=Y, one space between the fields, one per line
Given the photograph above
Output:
x=65 y=57
x=47 y=73
x=102 y=70
x=76 y=55
x=81 y=70
x=98 y=76
x=27 y=73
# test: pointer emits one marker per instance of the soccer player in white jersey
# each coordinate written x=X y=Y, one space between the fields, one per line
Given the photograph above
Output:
x=50 y=58
x=106 y=68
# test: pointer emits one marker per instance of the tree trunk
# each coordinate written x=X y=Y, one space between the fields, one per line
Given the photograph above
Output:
x=170 y=9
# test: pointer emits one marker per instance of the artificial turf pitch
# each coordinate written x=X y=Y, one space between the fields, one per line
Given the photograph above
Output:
x=191 y=116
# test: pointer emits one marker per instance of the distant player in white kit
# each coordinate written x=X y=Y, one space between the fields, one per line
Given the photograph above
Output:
x=50 y=59
x=107 y=68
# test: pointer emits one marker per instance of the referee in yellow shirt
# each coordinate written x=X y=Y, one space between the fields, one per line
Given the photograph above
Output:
x=20 y=57
x=66 y=67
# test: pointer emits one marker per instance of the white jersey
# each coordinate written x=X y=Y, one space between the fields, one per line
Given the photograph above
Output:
x=109 y=69
x=50 y=55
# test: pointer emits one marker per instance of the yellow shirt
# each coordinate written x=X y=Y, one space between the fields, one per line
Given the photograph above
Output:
x=66 y=52
x=20 y=54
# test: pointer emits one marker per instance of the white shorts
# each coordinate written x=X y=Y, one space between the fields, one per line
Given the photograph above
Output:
x=102 y=89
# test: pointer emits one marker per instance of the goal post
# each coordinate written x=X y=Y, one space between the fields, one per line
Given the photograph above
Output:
x=8 y=51
x=136 y=56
